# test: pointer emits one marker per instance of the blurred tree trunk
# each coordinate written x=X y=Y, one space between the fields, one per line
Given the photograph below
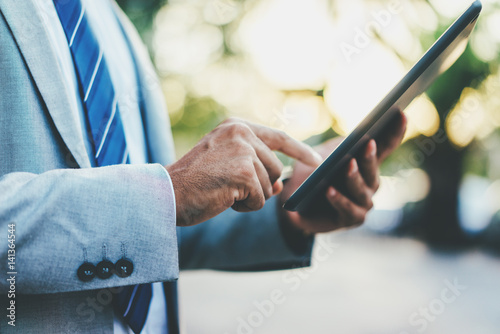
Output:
x=439 y=223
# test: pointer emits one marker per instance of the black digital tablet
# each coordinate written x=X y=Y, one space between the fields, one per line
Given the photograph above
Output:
x=443 y=53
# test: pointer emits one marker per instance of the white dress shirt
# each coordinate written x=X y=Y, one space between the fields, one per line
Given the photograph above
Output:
x=123 y=75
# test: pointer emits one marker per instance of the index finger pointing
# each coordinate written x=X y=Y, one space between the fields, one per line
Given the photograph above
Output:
x=279 y=141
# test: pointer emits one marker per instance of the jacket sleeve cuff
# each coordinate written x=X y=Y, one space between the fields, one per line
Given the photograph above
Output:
x=90 y=215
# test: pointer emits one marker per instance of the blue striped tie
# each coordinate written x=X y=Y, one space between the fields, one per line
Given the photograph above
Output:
x=99 y=98
x=101 y=108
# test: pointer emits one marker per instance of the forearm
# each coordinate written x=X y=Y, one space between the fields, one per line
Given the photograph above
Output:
x=240 y=242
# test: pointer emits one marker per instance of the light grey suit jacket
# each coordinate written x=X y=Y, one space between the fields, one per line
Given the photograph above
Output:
x=64 y=210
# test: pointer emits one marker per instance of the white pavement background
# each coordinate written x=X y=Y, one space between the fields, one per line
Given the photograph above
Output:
x=360 y=284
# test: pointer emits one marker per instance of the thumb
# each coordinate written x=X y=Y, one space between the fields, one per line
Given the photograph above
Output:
x=277 y=187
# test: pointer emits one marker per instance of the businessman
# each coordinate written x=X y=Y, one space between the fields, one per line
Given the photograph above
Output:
x=103 y=217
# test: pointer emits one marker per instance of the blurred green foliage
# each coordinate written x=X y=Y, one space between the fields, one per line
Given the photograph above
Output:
x=438 y=214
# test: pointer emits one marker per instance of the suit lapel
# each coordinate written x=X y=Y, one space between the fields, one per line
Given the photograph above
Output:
x=29 y=31
x=155 y=116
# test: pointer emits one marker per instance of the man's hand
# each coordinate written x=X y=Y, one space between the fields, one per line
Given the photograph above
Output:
x=362 y=180
x=233 y=166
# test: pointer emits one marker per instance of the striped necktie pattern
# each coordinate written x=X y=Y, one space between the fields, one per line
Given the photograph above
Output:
x=103 y=117
x=99 y=98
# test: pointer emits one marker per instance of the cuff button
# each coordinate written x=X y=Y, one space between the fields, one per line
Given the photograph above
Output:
x=124 y=268
x=86 y=272
x=105 y=269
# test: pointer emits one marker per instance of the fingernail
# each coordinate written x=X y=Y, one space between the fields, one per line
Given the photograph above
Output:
x=353 y=168
x=372 y=148
x=332 y=192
